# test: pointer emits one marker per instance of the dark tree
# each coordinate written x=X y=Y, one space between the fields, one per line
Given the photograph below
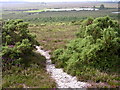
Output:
x=102 y=6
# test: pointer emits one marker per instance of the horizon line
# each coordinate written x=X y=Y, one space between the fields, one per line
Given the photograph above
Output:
x=51 y=2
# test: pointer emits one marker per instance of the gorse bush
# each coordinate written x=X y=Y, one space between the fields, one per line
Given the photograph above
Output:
x=17 y=42
x=97 y=47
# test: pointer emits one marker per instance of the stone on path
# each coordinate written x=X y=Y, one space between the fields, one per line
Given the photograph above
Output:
x=62 y=79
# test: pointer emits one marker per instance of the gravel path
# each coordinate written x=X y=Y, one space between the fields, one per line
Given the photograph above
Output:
x=62 y=79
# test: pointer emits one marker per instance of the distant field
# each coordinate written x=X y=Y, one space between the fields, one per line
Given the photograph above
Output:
x=32 y=16
x=56 y=5
x=33 y=12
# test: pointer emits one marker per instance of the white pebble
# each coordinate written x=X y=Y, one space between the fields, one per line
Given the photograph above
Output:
x=62 y=79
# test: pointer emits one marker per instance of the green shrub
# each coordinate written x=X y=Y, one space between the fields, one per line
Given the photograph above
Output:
x=97 y=47
x=17 y=42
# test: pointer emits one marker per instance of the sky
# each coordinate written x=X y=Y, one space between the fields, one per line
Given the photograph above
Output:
x=53 y=0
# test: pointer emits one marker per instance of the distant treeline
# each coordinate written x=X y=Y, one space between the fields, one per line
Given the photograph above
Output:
x=22 y=10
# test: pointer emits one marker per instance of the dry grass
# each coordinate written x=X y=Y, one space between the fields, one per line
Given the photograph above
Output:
x=54 y=36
